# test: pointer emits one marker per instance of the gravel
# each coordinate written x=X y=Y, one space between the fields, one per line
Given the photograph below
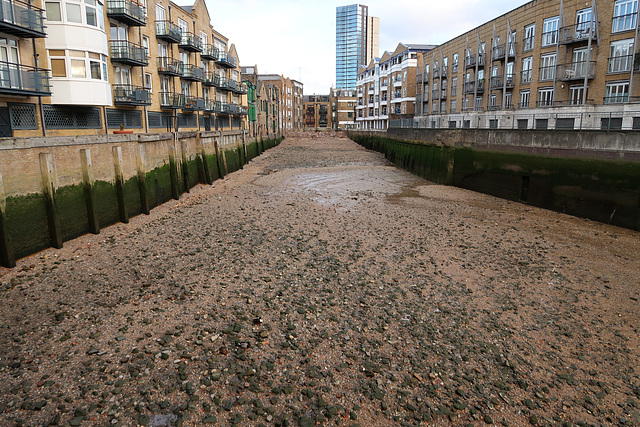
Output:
x=321 y=285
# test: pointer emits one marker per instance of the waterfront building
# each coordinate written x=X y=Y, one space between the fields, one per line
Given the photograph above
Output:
x=386 y=87
x=343 y=108
x=290 y=97
x=316 y=112
x=546 y=64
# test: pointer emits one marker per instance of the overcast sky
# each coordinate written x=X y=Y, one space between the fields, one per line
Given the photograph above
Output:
x=296 y=38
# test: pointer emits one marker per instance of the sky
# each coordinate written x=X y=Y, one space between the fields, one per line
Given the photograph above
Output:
x=296 y=38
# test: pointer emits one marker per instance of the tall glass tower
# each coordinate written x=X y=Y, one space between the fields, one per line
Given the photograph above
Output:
x=356 y=42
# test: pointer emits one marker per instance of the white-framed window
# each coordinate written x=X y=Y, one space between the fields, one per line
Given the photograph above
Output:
x=203 y=38
x=620 y=56
x=550 y=31
x=529 y=37
x=507 y=100
x=454 y=104
x=186 y=88
x=184 y=57
x=122 y=75
x=478 y=104
x=161 y=13
x=525 y=96
x=148 y=82
x=77 y=64
x=624 y=15
x=163 y=50
x=145 y=44
x=576 y=93
x=454 y=86
x=119 y=32
x=454 y=65
x=584 y=23
x=87 y=12
x=545 y=97
x=547 y=67
x=616 y=92
x=184 y=27
x=527 y=63
x=492 y=100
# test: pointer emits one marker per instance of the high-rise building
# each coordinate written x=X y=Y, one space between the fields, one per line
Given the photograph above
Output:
x=356 y=42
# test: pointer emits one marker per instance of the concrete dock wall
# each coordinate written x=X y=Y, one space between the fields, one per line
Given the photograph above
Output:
x=593 y=175
x=57 y=188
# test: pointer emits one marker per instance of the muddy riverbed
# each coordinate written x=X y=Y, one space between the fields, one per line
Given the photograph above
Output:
x=321 y=285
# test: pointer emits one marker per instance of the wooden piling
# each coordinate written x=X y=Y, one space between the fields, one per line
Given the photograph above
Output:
x=7 y=257
x=142 y=180
x=89 y=193
x=123 y=213
x=48 y=188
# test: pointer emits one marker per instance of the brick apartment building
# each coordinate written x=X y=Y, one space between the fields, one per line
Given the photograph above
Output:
x=290 y=97
x=386 y=87
x=546 y=64
x=87 y=67
x=317 y=112
x=343 y=108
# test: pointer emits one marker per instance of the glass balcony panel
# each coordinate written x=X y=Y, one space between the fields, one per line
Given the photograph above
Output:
x=21 y=19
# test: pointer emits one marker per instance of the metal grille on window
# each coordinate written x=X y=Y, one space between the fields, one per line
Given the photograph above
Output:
x=160 y=120
x=58 y=117
x=130 y=119
x=23 y=116
x=187 y=121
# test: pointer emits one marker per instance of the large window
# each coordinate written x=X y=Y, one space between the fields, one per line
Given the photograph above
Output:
x=545 y=97
x=526 y=69
x=529 y=37
x=525 y=95
x=454 y=65
x=620 y=56
x=88 y=12
x=547 y=67
x=78 y=64
x=624 y=15
x=616 y=92
x=550 y=31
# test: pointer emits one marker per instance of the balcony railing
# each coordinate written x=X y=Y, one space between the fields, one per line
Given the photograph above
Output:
x=193 y=103
x=130 y=95
x=172 y=100
x=470 y=87
x=626 y=22
x=576 y=71
x=209 y=52
x=169 y=66
x=500 y=51
x=225 y=60
x=547 y=73
x=241 y=89
x=21 y=19
x=576 y=33
x=620 y=64
x=18 y=79
x=193 y=73
x=127 y=12
x=525 y=76
x=470 y=61
x=527 y=44
x=190 y=42
x=213 y=106
x=209 y=78
x=497 y=82
x=128 y=53
x=168 y=31
x=616 y=99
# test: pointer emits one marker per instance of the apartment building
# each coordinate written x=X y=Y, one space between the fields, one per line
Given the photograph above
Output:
x=316 y=112
x=547 y=64
x=93 y=67
x=386 y=87
x=290 y=97
x=343 y=108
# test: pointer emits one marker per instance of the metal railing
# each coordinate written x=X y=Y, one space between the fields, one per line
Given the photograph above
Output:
x=576 y=33
x=191 y=72
x=130 y=95
x=23 y=79
x=576 y=70
x=620 y=64
x=127 y=52
x=168 y=31
x=190 y=42
x=127 y=11
x=170 y=66
x=172 y=100
x=22 y=19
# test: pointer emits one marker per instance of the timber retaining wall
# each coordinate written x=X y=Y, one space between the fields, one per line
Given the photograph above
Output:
x=54 y=189
x=593 y=175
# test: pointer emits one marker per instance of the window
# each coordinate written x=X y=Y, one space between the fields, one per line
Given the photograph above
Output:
x=524 y=98
x=576 y=93
x=492 y=101
x=507 y=100
x=203 y=38
x=621 y=56
x=550 y=31
x=454 y=103
x=616 y=92
x=58 y=64
x=74 y=13
x=584 y=20
x=624 y=15
x=547 y=67
x=454 y=66
x=454 y=86
x=147 y=81
x=526 y=70
x=545 y=97
x=184 y=27
x=145 y=44
x=53 y=11
x=478 y=104
x=529 y=37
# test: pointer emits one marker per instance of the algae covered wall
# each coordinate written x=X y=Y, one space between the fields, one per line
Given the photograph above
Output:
x=577 y=176
x=57 y=188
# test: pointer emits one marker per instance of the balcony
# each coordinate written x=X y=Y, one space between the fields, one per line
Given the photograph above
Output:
x=500 y=52
x=472 y=87
x=241 y=89
x=192 y=73
x=232 y=109
x=497 y=82
x=21 y=19
x=130 y=95
x=470 y=61
x=225 y=60
x=190 y=42
x=576 y=71
x=212 y=106
x=435 y=94
x=209 y=52
x=18 y=79
x=172 y=100
x=169 y=66
x=436 y=72
x=547 y=73
x=193 y=103
x=127 y=12
x=169 y=32
x=575 y=34
x=124 y=52
x=209 y=79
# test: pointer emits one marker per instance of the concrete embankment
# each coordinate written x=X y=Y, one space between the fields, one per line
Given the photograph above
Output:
x=593 y=175
x=55 y=189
